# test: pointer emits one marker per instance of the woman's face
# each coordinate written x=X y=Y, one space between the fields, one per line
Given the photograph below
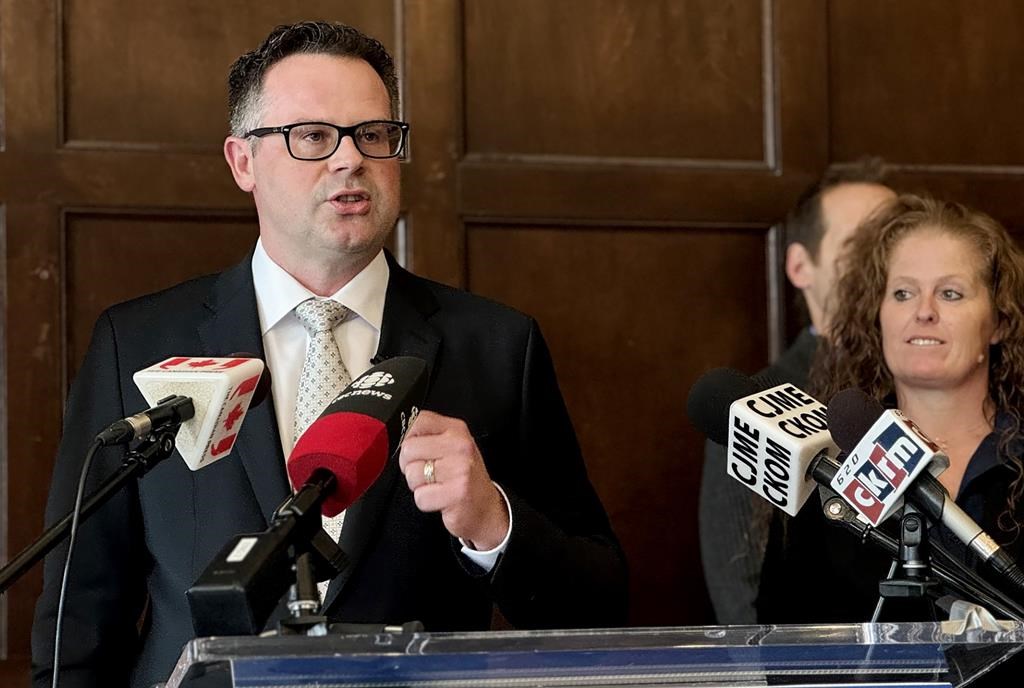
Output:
x=937 y=317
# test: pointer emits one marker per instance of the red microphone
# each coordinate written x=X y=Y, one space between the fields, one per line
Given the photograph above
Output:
x=358 y=432
x=333 y=463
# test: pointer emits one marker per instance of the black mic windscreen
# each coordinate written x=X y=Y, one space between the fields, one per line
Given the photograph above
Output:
x=712 y=394
x=851 y=413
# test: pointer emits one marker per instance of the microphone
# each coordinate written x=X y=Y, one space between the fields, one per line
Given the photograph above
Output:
x=773 y=436
x=850 y=416
x=359 y=431
x=208 y=397
x=210 y=412
x=889 y=457
x=334 y=462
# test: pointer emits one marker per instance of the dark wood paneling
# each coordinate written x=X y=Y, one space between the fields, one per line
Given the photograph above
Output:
x=633 y=316
x=433 y=102
x=998 y=195
x=606 y=79
x=130 y=69
x=934 y=83
x=112 y=257
x=646 y=194
x=790 y=124
x=33 y=381
x=28 y=52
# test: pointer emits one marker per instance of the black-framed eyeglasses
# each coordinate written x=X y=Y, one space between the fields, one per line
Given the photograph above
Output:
x=378 y=139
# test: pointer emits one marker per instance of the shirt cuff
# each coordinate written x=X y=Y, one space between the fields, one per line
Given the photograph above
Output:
x=487 y=559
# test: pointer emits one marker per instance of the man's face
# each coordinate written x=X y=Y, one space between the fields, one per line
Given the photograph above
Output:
x=334 y=211
x=843 y=209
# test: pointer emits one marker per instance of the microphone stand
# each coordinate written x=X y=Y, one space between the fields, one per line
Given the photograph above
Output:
x=238 y=591
x=913 y=582
x=150 y=451
x=964 y=581
x=839 y=512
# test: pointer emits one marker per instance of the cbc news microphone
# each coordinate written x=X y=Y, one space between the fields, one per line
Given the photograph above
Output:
x=334 y=462
x=889 y=458
x=359 y=431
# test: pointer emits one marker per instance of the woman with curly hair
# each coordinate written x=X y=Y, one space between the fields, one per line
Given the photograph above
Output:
x=927 y=319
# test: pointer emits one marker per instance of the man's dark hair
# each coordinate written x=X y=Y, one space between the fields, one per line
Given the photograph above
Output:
x=805 y=223
x=245 y=80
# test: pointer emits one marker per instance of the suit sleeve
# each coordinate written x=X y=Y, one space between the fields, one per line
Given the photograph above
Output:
x=106 y=588
x=563 y=566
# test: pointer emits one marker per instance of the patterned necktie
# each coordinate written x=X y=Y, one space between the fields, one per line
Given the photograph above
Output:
x=323 y=377
x=323 y=373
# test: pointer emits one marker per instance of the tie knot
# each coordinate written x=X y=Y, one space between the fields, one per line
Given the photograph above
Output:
x=320 y=315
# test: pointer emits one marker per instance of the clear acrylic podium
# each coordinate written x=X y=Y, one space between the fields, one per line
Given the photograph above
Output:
x=907 y=655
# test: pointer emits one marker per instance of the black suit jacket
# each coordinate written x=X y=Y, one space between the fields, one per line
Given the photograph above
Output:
x=127 y=617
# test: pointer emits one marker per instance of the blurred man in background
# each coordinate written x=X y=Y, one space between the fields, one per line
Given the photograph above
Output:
x=734 y=521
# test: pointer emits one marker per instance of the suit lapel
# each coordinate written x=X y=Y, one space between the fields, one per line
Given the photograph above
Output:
x=233 y=326
x=405 y=331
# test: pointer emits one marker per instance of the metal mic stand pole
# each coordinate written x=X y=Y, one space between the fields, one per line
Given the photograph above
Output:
x=912 y=587
x=303 y=600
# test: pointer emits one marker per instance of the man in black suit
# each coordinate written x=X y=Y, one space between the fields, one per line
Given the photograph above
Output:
x=735 y=522
x=489 y=502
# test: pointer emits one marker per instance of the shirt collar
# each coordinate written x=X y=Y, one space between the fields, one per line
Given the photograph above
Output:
x=278 y=293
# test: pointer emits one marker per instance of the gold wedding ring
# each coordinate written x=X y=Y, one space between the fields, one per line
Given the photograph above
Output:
x=428 y=472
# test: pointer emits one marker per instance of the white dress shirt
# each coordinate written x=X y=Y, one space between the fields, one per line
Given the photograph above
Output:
x=285 y=341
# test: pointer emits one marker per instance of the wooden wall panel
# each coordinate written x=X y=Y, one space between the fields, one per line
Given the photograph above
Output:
x=633 y=316
x=927 y=83
x=578 y=76
x=101 y=247
x=591 y=161
x=33 y=381
x=578 y=213
x=130 y=69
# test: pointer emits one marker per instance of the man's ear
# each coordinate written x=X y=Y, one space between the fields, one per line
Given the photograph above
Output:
x=799 y=266
x=239 y=156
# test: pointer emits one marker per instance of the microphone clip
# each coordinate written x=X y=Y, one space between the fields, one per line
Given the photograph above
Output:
x=912 y=577
x=168 y=414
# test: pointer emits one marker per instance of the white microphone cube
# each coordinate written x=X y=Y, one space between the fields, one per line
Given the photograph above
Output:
x=220 y=389
x=773 y=436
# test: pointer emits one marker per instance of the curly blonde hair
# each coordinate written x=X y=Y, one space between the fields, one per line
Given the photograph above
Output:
x=852 y=356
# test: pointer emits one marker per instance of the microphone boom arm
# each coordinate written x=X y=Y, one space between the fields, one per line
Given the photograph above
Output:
x=151 y=451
